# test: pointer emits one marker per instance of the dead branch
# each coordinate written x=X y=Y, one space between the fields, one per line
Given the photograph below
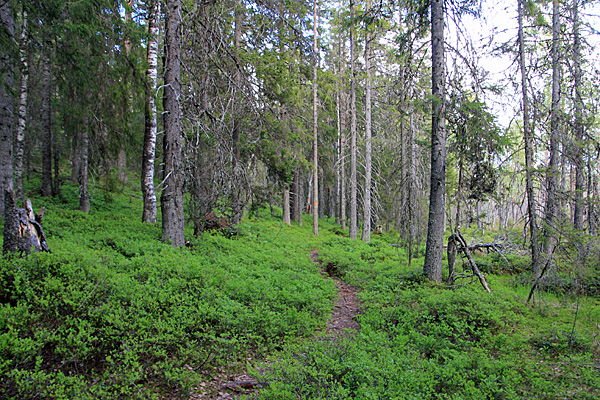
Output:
x=539 y=278
x=467 y=253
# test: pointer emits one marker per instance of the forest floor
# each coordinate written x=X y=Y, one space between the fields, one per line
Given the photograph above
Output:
x=262 y=314
x=342 y=323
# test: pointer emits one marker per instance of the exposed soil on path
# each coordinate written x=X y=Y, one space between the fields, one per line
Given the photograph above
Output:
x=342 y=323
x=346 y=309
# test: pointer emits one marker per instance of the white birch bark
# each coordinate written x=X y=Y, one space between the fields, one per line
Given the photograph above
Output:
x=22 y=115
x=149 y=149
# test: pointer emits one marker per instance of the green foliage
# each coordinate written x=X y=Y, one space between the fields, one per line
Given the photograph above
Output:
x=419 y=341
x=114 y=313
x=475 y=140
x=558 y=342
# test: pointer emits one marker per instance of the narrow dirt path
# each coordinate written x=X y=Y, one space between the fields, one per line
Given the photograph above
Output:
x=341 y=324
x=346 y=309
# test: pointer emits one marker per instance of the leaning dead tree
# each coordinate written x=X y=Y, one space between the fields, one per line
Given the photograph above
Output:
x=22 y=227
x=456 y=243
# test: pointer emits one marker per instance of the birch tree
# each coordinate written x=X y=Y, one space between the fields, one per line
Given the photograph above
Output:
x=22 y=116
x=150 y=125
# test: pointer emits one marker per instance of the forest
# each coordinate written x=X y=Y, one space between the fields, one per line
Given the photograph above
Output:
x=275 y=199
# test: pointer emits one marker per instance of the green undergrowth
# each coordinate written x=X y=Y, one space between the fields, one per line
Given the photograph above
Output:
x=114 y=313
x=422 y=341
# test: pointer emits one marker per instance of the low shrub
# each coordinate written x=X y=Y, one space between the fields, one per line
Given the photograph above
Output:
x=114 y=313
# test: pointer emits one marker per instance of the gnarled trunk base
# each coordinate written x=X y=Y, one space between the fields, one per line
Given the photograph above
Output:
x=22 y=228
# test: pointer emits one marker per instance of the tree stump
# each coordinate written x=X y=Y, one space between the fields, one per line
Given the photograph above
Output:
x=22 y=227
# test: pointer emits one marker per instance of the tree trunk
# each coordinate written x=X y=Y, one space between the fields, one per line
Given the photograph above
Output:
x=578 y=214
x=592 y=219
x=322 y=197
x=458 y=192
x=56 y=181
x=122 y=167
x=286 y=206
x=529 y=163
x=295 y=196
x=353 y=182
x=342 y=109
x=366 y=232
x=451 y=251
x=84 y=193
x=412 y=204
x=237 y=44
x=315 y=126
x=300 y=197
x=122 y=154
x=342 y=162
x=237 y=204
x=553 y=172
x=11 y=223
x=22 y=117
x=338 y=161
x=127 y=18
x=6 y=105
x=331 y=206
x=76 y=153
x=432 y=266
x=150 y=128
x=46 y=126
x=172 y=194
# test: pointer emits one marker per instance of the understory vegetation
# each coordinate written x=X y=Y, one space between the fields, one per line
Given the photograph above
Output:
x=112 y=312
x=419 y=341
